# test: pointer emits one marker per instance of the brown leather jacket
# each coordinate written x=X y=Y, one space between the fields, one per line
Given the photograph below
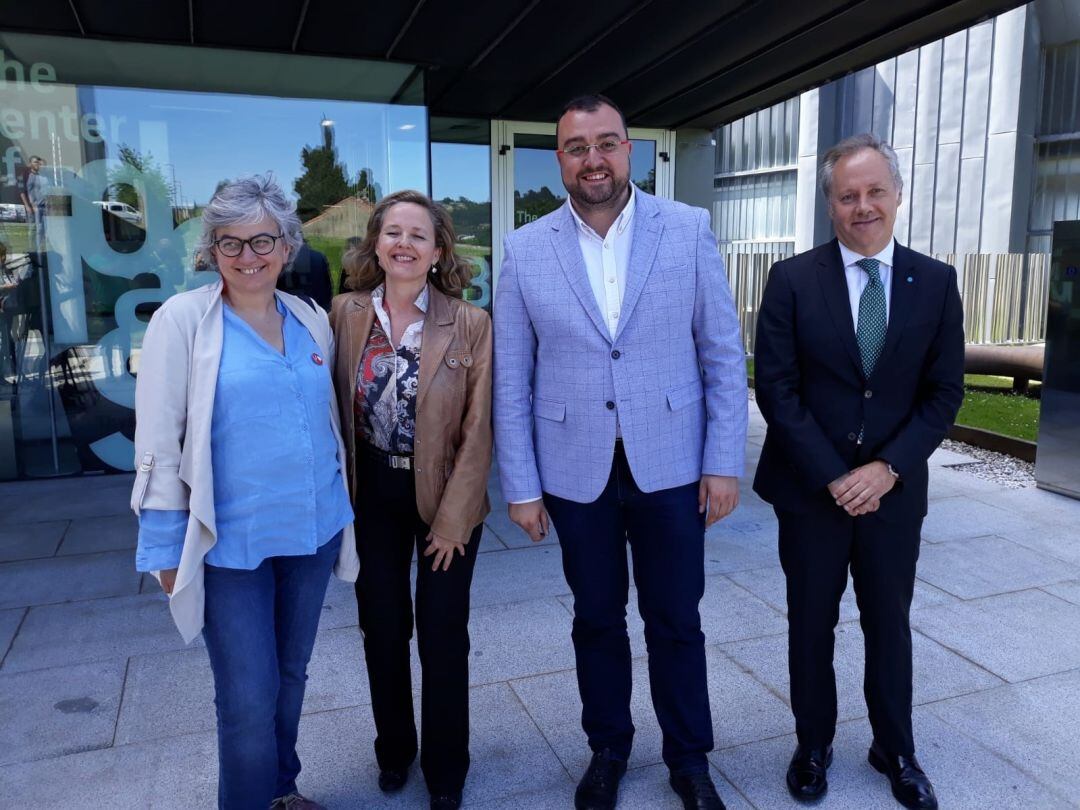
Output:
x=453 y=406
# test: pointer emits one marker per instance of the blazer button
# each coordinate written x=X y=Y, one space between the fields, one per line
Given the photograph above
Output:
x=615 y=354
x=852 y=437
x=609 y=405
x=868 y=394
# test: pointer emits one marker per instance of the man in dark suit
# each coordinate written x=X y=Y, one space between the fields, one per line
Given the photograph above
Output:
x=859 y=372
x=308 y=275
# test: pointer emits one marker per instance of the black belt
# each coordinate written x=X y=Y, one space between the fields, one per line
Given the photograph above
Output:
x=397 y=461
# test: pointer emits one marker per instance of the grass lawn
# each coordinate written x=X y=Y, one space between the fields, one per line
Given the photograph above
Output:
x=1006 y=413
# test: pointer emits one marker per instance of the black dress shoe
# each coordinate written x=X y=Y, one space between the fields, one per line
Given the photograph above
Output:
x=599 y=787
x=391 y=780
x=697 y=791
x=910 y=785
x=447 y=801
x=806 y=775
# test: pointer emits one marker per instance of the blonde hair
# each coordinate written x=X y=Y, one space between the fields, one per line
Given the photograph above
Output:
x=453 y=273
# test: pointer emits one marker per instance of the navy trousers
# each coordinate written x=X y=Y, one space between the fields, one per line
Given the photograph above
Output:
x=388 y=531
x=816 y=550
x=666 y=536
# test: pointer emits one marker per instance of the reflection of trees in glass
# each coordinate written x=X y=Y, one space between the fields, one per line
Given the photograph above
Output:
x=472 y=220
x=649 y=183
x=325 y=181
x=366 y=188
x=121 y=189
x=534 y=204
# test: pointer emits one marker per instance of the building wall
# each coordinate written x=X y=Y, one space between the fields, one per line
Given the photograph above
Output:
x=986 y=127
x=962 y=128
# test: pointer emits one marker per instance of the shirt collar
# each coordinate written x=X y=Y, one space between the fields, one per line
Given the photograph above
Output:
x=621 y=223
x=849 y=256
x=421 y=301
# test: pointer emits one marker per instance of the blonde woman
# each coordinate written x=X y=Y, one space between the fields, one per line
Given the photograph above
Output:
x=413 y=376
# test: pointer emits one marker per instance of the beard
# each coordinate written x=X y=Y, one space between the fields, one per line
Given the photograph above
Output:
x=602 y=195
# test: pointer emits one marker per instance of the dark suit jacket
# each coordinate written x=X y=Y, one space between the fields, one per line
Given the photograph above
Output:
x=309 y=275
x=814 y=396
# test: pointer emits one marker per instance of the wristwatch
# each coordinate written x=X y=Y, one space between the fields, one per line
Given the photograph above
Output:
x=892 y=472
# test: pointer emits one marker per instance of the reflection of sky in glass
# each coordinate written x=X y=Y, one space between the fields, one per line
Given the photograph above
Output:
x=461 y=170
x=534 y=168
x=203 y=138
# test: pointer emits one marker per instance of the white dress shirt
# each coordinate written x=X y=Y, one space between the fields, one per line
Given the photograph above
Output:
x=857 y=279
x=607 y=259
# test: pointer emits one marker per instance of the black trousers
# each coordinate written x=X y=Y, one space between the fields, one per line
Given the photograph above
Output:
x=388 y=530
x=816 y=551
x=666 y=535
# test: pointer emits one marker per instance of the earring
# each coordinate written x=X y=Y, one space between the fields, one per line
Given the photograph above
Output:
x=434 y=269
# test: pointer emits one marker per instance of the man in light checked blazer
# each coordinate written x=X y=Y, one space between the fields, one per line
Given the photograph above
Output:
x=620 y=411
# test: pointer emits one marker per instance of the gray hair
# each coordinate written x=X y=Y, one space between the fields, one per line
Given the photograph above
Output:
x=850 y=146
x=245 y=202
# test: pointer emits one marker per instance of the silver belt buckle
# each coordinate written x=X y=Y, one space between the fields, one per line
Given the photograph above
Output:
x=400 y=462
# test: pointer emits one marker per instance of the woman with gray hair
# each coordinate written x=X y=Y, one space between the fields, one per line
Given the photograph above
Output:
x=240 y=486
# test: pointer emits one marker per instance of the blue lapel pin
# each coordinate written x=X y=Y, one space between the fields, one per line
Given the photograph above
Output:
x=910 y=279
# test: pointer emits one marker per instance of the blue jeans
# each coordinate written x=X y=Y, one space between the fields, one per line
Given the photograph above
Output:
x=260 y=629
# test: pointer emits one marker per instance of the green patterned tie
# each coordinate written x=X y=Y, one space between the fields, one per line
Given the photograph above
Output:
x=870 y=333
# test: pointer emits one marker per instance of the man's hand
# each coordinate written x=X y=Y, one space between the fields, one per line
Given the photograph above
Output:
x=532 y=518
x=168 y=580
x=719 y=494
x=861 y=490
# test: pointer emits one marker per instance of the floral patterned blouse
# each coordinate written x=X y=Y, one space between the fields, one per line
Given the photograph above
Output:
x=386 y=384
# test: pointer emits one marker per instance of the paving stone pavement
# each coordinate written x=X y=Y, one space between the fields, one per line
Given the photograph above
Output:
x=102 y=705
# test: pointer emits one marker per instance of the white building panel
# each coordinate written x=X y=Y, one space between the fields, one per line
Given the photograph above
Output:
x=945 y=193
x=969 y=205
x=977 y=91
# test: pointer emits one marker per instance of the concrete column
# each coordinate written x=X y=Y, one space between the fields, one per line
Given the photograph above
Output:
x=695 y=165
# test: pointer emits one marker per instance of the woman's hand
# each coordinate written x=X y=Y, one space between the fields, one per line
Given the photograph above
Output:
x=443 y=549
x=168 y=579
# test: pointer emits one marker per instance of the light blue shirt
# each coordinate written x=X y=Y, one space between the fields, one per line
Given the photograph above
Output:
x=277 y=479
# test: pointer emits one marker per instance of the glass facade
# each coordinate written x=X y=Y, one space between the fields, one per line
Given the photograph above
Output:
x=108 y=153
x=461 y=181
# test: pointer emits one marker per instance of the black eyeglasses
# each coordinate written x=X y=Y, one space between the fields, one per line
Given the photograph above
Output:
x=261 y=244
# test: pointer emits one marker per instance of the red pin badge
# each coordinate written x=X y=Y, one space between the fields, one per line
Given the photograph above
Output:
x=316 y=359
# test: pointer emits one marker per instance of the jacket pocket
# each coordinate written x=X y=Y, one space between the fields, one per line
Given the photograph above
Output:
x=549 y=409
x=459 y=358
x=685 y=395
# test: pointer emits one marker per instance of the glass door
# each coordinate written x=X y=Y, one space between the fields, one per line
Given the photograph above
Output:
x=527 y=184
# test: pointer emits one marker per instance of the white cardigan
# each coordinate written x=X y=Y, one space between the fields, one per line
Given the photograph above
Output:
x=174 y=406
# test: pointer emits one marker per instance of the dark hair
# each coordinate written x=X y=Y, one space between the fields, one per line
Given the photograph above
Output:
x=36 y=157
x=361 y=265
x=589 y=102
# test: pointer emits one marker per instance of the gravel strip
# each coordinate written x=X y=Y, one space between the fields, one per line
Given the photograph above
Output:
x=1009 y=471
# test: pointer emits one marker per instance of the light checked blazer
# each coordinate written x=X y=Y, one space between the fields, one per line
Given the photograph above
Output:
x=675 y=368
